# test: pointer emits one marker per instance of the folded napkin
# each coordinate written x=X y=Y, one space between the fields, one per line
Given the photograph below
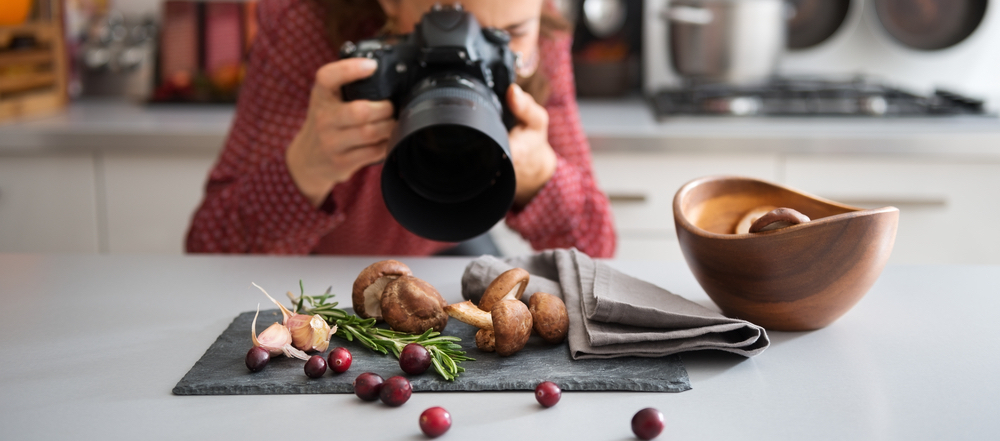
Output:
x=612 y=314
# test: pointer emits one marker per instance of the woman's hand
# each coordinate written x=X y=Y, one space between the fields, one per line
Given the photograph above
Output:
x=338 y=138
x=533 y=157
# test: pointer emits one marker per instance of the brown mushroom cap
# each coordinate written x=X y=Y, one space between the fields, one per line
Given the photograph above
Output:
x=509 y=284
x=412 y=305
x=549 y=317
x=511 y=326
x=778 y=218
x=366 y=295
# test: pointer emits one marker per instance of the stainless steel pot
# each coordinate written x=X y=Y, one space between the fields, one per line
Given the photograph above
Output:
x=729 y=41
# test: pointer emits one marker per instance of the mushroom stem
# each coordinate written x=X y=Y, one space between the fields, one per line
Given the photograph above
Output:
x=467 y=312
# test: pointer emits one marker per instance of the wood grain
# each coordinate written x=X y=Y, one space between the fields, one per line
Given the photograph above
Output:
x=798 y=278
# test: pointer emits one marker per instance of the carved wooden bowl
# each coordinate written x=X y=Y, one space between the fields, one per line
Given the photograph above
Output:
x=797 y=278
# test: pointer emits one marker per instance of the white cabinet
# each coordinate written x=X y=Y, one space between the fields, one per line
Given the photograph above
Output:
x=96 y=201
x=151 y=197
x=641 y=187
x=48 y=203
x=948 y=210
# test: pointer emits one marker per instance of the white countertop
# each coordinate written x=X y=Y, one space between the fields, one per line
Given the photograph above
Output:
x=93 y=345
x=626 y=124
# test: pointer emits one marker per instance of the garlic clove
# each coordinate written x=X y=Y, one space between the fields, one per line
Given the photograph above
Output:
x=273 y=339
x=309 y=333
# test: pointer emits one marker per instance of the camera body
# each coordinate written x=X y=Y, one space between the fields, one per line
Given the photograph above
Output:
x=448 y=175
x=447 y=42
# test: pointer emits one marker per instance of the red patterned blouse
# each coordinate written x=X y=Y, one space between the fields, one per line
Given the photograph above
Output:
x=251 y=204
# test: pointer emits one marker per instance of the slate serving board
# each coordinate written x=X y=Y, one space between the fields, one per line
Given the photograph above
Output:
x=222 y=371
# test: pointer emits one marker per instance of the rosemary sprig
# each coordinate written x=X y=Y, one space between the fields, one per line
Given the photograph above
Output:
x=445 y=352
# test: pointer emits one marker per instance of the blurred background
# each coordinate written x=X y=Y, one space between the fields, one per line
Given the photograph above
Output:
x=113 y=111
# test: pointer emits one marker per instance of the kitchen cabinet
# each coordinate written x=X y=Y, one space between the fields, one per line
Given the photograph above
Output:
x=151 y=197
x=114 y=177
x=947 y=208
x=94 y=201
x=48 y=203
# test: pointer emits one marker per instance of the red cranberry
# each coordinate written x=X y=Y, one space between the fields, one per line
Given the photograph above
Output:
x=316 y=366
x=339 y=360
x=367 y=386
x=257 y=358
x=435 y=421
x=395 y=391
x=548 y=393
x=414 y=359
x=647 y=423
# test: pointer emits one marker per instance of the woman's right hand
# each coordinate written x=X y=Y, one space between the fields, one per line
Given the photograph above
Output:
x=338 y=138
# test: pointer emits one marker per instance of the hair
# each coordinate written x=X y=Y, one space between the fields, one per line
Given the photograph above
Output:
x=352 y=20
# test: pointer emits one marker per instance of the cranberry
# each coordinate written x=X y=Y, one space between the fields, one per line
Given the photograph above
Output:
x=257 y=358
x=435 y=421
x=395 y=391
x=414 y=359
x=548 y=393
x=339 y=360
x=367 y=386
x=647 y=423
x=316 y=366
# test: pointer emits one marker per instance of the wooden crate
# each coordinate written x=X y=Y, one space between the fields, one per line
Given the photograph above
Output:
x=33 y=80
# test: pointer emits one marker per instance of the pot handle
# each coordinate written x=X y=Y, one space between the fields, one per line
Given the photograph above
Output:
x=689 y=15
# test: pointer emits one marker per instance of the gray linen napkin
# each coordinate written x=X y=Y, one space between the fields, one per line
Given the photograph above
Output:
x=612 y=314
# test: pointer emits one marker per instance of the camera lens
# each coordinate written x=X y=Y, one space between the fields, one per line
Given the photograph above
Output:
x=449 y=163
x=449 y=176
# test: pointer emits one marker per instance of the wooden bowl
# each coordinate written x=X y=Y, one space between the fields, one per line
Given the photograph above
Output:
x=797 y=278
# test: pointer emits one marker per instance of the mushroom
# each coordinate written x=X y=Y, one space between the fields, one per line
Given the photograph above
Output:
x=508 y=285
x=549 y=317
x=413 y=306
x=743 y=226
x=505 y=328
x=778 y=218
x=368 y=287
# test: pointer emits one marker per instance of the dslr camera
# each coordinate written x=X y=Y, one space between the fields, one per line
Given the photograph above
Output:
x=448 y=175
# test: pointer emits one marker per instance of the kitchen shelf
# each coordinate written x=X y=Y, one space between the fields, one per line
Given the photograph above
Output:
x=33 y=80
x=29 y=56
x=27 y=82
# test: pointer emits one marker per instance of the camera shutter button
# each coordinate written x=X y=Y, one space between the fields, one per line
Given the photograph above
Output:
x=348 y=49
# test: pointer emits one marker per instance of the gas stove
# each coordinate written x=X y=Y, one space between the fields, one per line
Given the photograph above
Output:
x=858 y=96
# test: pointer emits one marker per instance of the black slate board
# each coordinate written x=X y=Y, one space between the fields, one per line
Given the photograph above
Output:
x=221 y=371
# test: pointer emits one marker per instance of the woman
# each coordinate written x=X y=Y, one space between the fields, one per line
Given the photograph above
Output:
x=300 y=170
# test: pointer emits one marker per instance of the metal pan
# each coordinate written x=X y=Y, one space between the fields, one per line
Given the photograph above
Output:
x=812 y=22
x=930 y=24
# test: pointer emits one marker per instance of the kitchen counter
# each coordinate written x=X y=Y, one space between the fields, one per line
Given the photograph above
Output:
x=612 y=125
x=92 y=345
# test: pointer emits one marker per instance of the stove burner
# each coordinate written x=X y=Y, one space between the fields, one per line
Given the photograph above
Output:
x=810 y=97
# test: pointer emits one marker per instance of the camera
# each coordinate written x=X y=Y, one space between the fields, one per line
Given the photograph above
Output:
x=448 y=175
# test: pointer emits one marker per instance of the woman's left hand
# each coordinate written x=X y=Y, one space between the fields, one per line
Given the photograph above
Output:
x=533 y=157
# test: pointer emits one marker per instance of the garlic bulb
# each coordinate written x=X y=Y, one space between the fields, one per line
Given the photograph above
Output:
x=276 y=339
x=308 y=333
